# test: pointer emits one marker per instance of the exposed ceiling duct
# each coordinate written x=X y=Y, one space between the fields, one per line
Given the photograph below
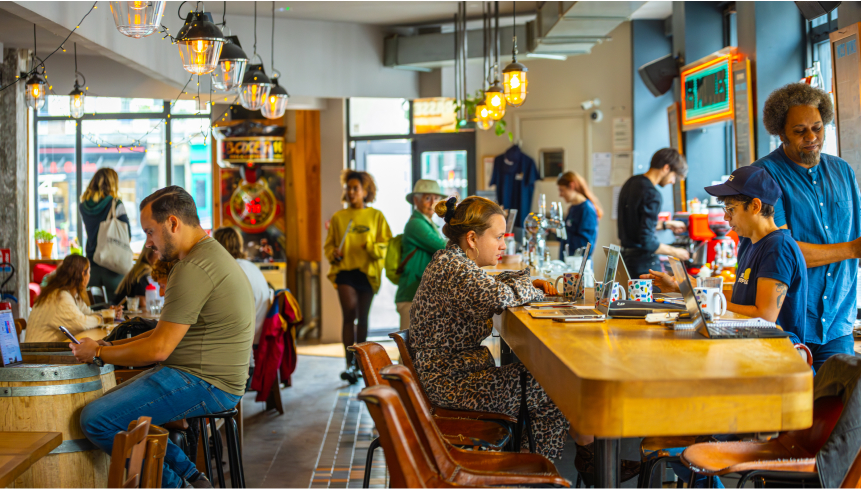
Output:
x=560 y=29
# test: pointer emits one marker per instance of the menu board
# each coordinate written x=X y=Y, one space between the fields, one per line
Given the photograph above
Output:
x=707 y=95
x=10 y=350
x=745 y=146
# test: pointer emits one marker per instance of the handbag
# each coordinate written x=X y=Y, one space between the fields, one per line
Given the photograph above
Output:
x=112 y=249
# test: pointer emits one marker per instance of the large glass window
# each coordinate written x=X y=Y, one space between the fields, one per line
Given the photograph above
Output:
x=128 y=135
x=379 y=116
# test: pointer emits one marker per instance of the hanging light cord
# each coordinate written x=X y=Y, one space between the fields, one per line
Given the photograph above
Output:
x=255 y=28
x=272 y=51
x=514 y=32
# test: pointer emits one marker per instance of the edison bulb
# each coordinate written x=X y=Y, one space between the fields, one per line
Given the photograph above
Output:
x=199 y=56
x=495 y=102
x=514 y=83
x=136 y=18
x=76 y=103
x=35 y=94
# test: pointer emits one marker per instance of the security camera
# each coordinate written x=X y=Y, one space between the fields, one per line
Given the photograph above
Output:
x=588 y=104
x=596 y=115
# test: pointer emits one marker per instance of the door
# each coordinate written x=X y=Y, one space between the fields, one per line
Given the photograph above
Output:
x=447 y=158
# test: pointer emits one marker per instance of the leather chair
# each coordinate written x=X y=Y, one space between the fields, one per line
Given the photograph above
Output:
x=372 y=357
x=127 y=455
x=402 y=339
x=853 y=475
x=463 y=467
x=407 y=462
x=791 y=457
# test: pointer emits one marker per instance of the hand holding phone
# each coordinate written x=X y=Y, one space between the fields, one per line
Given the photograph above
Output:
x=69 y=335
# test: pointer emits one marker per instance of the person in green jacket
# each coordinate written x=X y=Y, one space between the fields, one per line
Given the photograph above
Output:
x=421 y=235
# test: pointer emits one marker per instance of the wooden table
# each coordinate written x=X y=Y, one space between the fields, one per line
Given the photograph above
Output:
x=19 y=450
x=143 y=313
x=626 y=378
x=93 y=334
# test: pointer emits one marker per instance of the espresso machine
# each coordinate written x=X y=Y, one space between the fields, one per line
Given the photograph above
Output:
x=709 y=240
x=536 y=227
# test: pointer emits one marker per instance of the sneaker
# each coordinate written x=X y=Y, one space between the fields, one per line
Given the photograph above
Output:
x=200 y=481
x=350 y=376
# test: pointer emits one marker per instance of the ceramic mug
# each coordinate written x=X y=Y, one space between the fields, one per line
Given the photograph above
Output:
x=710 y=282
x=618 y=292
x=711 y=300
x=640 y=290
x=569 y=280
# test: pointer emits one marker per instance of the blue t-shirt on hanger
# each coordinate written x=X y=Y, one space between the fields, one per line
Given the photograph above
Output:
x=514 y=175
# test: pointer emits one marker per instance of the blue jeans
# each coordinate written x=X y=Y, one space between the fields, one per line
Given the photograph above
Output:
x=164 y=394
x=843 y=344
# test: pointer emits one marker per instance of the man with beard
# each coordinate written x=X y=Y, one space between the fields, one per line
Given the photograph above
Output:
x=639 y=205
x=202 y=342
x=820 y=206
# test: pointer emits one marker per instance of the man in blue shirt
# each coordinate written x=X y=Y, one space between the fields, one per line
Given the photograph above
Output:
x=820 y=206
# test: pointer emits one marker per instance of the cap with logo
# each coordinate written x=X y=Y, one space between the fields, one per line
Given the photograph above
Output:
x=425 y=187
x=751 y=181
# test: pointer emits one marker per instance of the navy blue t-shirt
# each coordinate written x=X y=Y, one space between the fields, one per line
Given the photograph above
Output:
x=581 y=226
x=514 y=175
x=776 y=256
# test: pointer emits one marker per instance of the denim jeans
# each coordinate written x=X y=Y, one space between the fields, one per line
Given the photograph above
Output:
x=843 y=344
x=164 y=394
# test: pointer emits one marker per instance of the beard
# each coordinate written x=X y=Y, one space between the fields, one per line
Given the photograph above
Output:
x=809 y=157
x=167 y=252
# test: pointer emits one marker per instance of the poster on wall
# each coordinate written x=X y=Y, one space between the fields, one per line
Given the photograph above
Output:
x=252 y=200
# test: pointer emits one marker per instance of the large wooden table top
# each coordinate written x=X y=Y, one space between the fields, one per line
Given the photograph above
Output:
x=21 y=449
x=627 y=378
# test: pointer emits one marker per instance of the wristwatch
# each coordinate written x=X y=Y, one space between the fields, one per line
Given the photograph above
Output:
x=96 y=360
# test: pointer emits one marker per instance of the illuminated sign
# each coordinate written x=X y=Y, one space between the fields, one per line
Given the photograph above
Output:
x=432 y=115
x=257 y=149
x=708 y=94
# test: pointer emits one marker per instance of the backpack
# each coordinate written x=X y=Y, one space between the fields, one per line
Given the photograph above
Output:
x=394 y=265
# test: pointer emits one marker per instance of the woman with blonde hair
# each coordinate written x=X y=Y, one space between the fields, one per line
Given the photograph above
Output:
x=356 y=250
x=63 y=302
x=135 y=282
x=96 y=203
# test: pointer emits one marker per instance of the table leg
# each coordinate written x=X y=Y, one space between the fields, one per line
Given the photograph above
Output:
x=607 y=462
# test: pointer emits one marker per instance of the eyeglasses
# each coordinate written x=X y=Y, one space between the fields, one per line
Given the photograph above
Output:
x=729 y=209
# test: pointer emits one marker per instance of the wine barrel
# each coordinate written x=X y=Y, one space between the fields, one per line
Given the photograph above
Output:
x=58 y=353
x=39 y=397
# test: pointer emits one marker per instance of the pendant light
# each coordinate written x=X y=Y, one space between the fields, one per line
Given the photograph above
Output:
x=514 y=75
x=276 y=101
x=482 y=117
x=255 y=84
x=494 y=98
x=37 y=84
x=200 y=42
x=231 y=63
x=76 y=98
x=137 y=19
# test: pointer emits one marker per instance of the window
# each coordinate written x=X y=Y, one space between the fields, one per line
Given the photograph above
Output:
x=379 y=116
x=155 y=151
x=821 y=68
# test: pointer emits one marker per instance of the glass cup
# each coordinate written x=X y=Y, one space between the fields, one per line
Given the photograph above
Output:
x=133 y=303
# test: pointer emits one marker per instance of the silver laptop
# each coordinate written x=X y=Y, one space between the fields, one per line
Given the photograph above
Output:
x=576 y=314
x=754 y=328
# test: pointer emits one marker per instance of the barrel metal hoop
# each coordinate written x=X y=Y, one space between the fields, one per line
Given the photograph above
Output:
x=51 y=390
x=69 y=446
x=51 y=373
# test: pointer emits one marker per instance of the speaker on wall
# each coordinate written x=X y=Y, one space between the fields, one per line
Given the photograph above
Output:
x=814 y=10
x=658 y=75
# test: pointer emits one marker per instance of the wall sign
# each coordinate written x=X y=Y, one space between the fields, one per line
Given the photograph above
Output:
x=745 y=144
x=707 y=95
x=254 y=149
x=846 y=85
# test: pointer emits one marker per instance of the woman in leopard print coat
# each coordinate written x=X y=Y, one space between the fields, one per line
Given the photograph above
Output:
x=450 y=317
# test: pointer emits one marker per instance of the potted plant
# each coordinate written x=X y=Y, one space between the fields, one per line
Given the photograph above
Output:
x=45 y=242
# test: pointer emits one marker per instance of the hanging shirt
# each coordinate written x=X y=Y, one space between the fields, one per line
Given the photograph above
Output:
x=581 y=225
x=821 y=205
x=514 y=175
x=775 y=256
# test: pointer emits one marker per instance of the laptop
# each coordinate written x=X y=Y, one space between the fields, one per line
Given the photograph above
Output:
x=624 y=308
x=574 y=314
x=746 y=328
x=10 y=350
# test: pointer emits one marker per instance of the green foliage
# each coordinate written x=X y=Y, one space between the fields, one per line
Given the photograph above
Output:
x=43 y=236
x=469 y=104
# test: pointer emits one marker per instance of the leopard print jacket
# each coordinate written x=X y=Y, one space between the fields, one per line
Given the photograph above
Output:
x=450 y=317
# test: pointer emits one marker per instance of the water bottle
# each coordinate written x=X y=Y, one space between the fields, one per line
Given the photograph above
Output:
x=151 y=297
x=510 y=244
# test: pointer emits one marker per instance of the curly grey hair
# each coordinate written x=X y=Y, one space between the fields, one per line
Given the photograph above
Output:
x=781 y=100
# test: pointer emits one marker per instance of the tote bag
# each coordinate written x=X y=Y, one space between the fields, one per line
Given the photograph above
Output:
x=112 y=249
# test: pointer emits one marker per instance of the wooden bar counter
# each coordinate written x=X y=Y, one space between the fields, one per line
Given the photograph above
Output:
x=626 y=378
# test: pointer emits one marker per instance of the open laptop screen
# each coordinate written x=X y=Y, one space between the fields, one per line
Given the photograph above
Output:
x=612 y=264
x=10 y=350
x=687 y=290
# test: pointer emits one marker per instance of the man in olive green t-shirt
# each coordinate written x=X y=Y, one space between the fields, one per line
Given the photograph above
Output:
x=202 y=342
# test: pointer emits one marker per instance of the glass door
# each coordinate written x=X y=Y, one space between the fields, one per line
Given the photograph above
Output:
x=449 y=159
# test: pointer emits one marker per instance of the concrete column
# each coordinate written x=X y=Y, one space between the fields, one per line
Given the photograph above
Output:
x=771 y=34
x=14 y=229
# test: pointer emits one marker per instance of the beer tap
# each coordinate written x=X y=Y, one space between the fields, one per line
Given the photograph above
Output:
x=537 y=225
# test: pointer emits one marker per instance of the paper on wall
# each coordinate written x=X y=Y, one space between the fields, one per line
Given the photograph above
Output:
x=602 y=166
x=623 y=165
x=623 y=139
x=616 y=192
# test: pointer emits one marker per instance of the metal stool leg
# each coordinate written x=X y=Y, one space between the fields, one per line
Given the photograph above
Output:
x=205 y=440
x=240 y=469
x=219 y=453
x=236 y=475
x=369 y=460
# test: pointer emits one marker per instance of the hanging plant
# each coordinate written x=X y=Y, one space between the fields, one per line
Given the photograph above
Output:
x=469 y=104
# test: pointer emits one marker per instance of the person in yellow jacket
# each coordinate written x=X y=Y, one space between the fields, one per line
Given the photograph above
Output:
x=356 y=250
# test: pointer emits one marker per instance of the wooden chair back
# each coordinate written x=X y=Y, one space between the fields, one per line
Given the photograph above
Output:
x=826 y=412
x=98 y=296
x=20 y=325
x=402 y=339
x=128 y=455
x=372 y=357
x=408 y=463
x=156 y=448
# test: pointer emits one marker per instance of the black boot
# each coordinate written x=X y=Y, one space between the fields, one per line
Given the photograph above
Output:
x=350 y=375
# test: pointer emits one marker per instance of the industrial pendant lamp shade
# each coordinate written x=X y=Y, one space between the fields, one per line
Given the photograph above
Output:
x=514 y=83
x=255 y=88
x=494 y=99
x=137 y=19
x=276 y=101
x=36 y=88
x=76 y=103
x=231 y=66
x=200 y=42
x=482 y=117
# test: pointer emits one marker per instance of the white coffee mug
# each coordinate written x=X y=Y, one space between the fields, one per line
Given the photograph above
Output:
x=618 y=292
x=640 y=290
x=711 y=300
x=568 y=282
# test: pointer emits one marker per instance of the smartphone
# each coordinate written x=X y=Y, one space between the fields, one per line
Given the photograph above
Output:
x=596 y=319
x=69 y=335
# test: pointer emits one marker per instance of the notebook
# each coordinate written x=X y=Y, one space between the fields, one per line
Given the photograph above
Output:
x=10 y=350
x=746 y=328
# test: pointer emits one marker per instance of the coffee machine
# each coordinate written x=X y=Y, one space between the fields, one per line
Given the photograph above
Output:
x=709 y=240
